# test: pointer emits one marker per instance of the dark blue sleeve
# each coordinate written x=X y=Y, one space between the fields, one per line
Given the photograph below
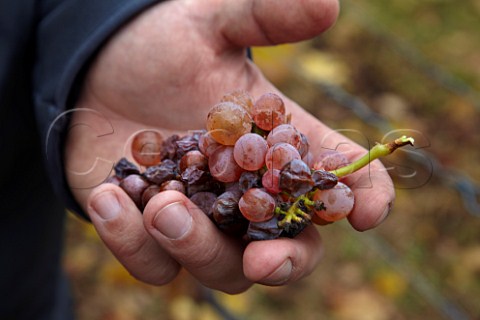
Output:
x=69 y=33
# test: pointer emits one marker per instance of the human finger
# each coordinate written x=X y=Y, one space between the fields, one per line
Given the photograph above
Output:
x=281 y=261
x=374 y=196
x=266 y=22
x=190 y=237
x=119 y=224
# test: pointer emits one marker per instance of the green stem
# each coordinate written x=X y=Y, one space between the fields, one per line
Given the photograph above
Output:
x=379 y=150
x=294 y=213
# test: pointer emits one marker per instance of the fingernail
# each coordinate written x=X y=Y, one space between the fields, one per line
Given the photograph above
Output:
x=106 y=205
x=385 y=213
x=173 y=221
x=281 y=275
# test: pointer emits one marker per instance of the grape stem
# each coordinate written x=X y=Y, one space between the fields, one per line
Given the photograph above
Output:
x=379 y=150
x=302 y=207
x=295 y=213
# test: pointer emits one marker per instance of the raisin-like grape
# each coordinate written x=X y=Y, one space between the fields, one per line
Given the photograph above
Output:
x=265 y=230
x=324 y=180
x=295 y=178
x=124 y=168
x=166 y=170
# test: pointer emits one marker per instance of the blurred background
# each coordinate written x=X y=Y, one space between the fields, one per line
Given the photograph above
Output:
x=406 y=65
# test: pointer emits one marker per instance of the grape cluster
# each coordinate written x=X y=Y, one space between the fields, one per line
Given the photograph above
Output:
x=251 y=171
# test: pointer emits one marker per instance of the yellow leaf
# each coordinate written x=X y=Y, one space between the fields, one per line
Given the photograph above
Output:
x=322 y=67
x=206 y=312
x=183 y=308
x=113 y=272
x=238 y=304
x=362 y=304
x=276 y=61
x=390 y=283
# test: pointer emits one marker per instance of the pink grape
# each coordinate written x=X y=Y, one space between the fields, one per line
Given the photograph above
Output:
x=207 y=144
x=319 y=221
x=271 y=181
x=240 y=97
x=308 y=159
x=269 y=111
x=280 y=154
x=249 y=151
x=285 y=133
x=222 y=165
x=338 y=201
x=193 y=158
x=257 y=205
x=330 y=160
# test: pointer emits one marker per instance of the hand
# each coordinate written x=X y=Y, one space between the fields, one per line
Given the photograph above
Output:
x=164 y=70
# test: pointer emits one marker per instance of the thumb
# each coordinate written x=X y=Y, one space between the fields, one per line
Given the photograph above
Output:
x=266 y=22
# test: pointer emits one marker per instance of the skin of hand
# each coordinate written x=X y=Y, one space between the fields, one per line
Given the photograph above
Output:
x=164 y=70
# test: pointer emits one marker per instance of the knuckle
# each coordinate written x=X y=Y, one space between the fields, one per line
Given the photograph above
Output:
x=204 y=256
x=130 y=247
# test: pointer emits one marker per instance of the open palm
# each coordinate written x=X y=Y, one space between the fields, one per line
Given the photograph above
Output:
x=164 y=70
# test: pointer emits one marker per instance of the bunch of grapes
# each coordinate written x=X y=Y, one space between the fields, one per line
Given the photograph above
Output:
x=251 y=171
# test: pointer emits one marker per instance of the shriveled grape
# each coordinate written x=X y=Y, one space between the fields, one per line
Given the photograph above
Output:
x=227 y=215
x=124 y=168
x=324 y=180
x=204 y=200
x=295 y=178
x=193 y=175
x=185 y=144
x=265 y=230
x=166 y=170
x=249 y=180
